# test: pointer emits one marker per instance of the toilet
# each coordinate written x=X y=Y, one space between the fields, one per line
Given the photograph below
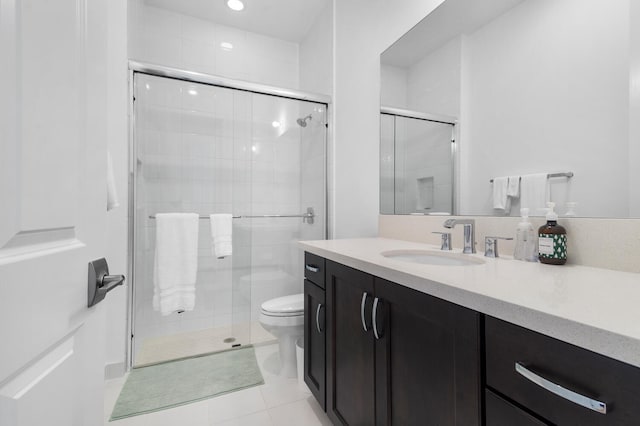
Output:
x=284 y=318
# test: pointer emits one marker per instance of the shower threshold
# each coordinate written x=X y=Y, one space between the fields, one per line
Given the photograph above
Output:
x=184 y=345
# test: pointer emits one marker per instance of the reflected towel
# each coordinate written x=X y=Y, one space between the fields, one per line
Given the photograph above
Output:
x=534 y=192
x=500 y=199
x=221 y=233
x=176 y=262
x=513 y=187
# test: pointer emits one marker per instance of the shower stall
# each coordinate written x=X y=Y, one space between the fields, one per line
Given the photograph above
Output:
x=208 y=145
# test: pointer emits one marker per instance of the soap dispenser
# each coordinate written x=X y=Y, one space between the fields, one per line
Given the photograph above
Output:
x=526 y=248
x=552 y=240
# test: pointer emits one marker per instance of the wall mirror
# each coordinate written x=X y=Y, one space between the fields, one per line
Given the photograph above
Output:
x=534 y=87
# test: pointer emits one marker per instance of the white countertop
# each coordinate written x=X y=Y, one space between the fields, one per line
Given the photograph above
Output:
x=597 y=309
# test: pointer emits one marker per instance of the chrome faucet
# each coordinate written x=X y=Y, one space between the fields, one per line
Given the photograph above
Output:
x=469 y=232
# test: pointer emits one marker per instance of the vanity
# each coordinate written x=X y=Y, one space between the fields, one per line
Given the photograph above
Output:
x=401 y=333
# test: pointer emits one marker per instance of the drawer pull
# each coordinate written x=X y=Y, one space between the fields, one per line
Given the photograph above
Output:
x=364 y=301
x=567 y=394
x=320 y=306
x=311 y=268
x=377 y=332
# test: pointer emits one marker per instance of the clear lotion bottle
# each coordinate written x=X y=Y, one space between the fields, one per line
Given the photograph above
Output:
x=526 y=248
x=552 y=240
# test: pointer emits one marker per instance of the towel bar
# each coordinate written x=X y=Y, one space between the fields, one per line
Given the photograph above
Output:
x=553 y=175
x=307 y=217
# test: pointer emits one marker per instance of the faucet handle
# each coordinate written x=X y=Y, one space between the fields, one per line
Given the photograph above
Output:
x=491 y=245
x=446 y=240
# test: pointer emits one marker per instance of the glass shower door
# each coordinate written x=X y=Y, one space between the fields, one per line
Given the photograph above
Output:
x=206 y=149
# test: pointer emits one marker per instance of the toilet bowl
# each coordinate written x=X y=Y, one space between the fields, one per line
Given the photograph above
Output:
x=284 y=318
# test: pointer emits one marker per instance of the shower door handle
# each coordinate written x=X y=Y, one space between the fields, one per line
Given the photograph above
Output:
x=100 y=282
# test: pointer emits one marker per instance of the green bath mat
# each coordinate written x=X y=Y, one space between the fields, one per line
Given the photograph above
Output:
x=167 y=385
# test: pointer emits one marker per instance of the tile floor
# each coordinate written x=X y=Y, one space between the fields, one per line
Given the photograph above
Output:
x=279 y=402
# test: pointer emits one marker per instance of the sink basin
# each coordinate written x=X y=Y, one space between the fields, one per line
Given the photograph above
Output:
x=428 y=257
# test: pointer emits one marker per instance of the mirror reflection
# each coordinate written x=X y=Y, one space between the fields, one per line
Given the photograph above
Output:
x=416 y=163
x=538 y=87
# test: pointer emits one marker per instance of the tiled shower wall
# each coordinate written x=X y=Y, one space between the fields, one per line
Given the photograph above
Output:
x=210 y=150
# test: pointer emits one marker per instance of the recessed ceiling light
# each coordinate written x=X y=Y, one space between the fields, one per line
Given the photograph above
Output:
x=275 y=124
x=192 y=92
x=236 y=5
x=226 y=45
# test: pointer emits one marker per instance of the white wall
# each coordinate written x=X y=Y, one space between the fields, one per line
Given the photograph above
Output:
x=634 y=112
x=433 y=84
x=163 y=37
x=393 y=88
x=316 y=55
x=116 y=230
x=363 y=30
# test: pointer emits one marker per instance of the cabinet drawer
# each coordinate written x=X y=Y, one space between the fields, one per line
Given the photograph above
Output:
x=314 y=268
x=545 y=362
x=503 y=413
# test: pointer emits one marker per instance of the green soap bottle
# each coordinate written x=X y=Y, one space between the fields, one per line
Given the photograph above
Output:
x=552 y=240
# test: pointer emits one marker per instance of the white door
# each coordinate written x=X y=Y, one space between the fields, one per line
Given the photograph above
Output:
x=52 y=210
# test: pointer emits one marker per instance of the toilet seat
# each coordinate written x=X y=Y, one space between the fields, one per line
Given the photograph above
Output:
x=287 y=306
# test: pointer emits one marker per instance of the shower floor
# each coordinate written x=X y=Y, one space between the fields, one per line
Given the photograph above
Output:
x=183 y=345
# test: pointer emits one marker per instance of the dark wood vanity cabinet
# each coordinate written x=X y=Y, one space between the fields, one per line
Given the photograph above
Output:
x=315 y=329
x=392 y=355
x=503 y=413
x=396 y=356
x=543 y=375
x=350 y=357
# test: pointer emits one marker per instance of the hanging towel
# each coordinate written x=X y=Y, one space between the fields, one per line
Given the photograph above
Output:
x=534 y=192
x=500 y=199
x=513 y=187
x=176 y=262
x=112 y=194
x=221 y=231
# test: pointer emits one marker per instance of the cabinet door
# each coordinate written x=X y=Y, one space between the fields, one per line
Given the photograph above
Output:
x=314 y=340
x=502 y=413
x=350 y=361
x=427 y=359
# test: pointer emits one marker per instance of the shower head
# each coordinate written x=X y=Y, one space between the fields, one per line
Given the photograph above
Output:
x=302 y=122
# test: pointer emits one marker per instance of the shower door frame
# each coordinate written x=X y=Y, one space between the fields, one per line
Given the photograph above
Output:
x=211 y=80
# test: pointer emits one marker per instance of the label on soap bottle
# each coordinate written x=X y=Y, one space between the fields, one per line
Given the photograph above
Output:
x=553 y=246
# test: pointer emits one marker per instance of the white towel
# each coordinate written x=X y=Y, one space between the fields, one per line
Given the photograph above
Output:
x=112 y=194
x=221 y=232
x=500 y=199
x=513 y=187
x=534 y=192
x=176 y=262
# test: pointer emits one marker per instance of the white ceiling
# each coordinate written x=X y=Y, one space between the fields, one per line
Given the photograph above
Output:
x=284 y=19
x=451 y=18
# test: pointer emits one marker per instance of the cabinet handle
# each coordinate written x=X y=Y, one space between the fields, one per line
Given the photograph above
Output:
x=364 y=301
x=565 y=393
x=311 y=268
x=320 y=306
x=374 y=318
